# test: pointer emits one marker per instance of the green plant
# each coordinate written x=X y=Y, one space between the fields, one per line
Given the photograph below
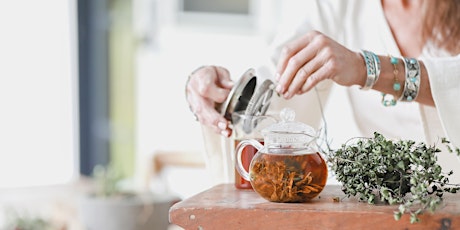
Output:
x=107 y=181
x=395 y=172
x=16 y=221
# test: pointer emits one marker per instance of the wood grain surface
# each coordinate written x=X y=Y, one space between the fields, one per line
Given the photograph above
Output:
x=225 y=207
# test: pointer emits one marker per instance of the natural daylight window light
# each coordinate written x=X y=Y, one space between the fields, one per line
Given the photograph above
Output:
x=37 y=102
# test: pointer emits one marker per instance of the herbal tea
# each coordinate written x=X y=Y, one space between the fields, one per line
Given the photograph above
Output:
x=288 y=177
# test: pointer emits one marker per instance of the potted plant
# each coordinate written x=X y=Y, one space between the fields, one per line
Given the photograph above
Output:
x=393 y=172
x=110 y=206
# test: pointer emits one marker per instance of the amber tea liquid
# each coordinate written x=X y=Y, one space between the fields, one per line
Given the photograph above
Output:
x=247 y=154
x=288 y=177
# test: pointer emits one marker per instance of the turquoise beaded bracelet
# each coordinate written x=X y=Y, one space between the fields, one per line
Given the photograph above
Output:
x=396 y=85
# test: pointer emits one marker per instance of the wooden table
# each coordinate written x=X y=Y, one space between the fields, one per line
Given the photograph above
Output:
x=225 y=207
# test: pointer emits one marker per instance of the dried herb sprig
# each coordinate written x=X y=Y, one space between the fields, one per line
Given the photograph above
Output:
x=395 y=172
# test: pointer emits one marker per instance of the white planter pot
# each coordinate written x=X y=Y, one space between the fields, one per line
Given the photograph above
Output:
x=140 y=212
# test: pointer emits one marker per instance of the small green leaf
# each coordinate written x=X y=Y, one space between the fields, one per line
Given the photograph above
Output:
x=414 y=218
x=401 y=165
x=371 y=199
x=397 y=215
x=402 y=209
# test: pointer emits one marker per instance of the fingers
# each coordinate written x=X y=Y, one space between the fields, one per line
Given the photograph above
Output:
x=311 y=59
x=294 y=68
x=206 y=87
x=207 y=115
x=216 y=121
x=213 y=83
x=324 y=67
x=287 y=53
x=298 y=61
x=323 y=72
x=224 y=78
x=310 y=74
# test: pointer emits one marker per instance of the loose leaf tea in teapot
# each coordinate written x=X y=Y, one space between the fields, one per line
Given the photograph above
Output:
x=287 y=167
x=289 y=177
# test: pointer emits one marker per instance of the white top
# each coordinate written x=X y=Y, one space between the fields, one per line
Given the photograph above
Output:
x=361 y=24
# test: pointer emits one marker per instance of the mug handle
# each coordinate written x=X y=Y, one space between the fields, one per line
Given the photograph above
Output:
x=239 y=151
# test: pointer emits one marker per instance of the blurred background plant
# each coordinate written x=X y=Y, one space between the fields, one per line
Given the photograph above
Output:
x=25 y=221
x=107 y=181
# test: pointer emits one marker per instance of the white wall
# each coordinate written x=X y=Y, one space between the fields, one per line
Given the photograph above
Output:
x=37 y=93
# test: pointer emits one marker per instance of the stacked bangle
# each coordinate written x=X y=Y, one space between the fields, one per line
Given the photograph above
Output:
x=372 y=68
x=396 y=85
x=412 y=82
x=377 y=66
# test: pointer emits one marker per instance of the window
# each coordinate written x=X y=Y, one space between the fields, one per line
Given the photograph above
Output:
x=216 y=6
x=231 y=14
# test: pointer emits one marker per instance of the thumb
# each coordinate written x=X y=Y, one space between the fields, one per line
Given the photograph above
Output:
x=224 y=79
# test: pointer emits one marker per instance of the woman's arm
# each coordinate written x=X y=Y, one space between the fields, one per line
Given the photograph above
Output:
x=388 y=77
x=315 y=57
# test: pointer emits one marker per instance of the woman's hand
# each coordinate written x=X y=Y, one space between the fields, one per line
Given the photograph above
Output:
x=315 y=57
x=205 y=87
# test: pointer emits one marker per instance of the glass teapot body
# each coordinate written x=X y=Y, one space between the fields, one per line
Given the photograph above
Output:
x=284 y=175
x=287 y=167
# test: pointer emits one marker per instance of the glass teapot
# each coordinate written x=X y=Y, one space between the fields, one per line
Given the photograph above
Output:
x=289 y=168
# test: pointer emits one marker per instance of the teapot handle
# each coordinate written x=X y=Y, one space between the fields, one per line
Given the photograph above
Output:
x=239 y=151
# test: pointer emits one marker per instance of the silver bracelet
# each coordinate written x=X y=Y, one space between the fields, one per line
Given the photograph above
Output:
x=377 y=67
x=372 y=69
x=412 y=82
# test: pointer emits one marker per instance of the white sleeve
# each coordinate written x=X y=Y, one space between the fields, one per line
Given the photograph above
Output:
x=444 y=76
x=299 y=17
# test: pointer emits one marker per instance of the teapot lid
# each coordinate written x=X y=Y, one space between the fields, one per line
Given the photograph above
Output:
x=288 y=133
x=249 y=95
